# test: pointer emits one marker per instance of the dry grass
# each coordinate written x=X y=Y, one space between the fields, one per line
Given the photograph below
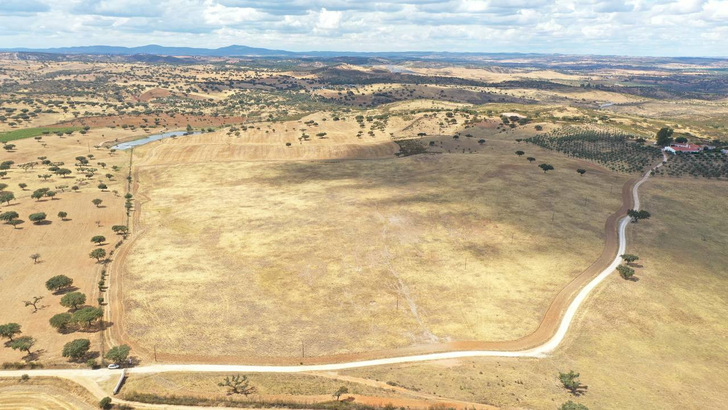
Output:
x=63 y=245
x=44 y=393
x=358 y=255
x=653 y=344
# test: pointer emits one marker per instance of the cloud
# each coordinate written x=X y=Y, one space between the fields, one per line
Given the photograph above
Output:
x=22 y=6
x=655 y=27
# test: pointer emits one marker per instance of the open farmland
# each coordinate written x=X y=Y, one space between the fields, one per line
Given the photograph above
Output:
x=673 y=316
x=387 y=259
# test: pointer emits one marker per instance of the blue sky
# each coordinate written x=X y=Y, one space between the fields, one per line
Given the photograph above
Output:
x=632 y=27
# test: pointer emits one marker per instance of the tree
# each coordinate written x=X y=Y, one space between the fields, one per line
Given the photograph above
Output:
x=15 y=223
x=531 y=159
x=24 y=344
x=63 y=172
x=9 y=330
x=105 y=403
x=34 y=303
x=581 y=171
x=238 y=384
x=120 y=229
x=637 y=215
x=8 y=216
x=39 y=193
x=77 y=349
x=664 y=136
x=98 y=254
x=86 y=316
x=118 y=354
x=58 y=282
x=62 y=215
x=629 y=258
x=60 y=321
x=35 y=257
x=73 y=300
x=23 y=185
x=50 y=194
x=340 y=391
x=519 y=153
x=571 y=382
x=7 y=197
x=570 y=405
x=102 y=186
x=37 y=217
x=98 y=239
x=97 y=202
x=625 y=272
x=546 y=167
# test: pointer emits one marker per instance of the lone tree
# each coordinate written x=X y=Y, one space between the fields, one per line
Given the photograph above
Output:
x=571 y=382
x=546 y=167
x=105 y=403
x=519 y=153
x=37 y=217
x=73 y=300
x=581 y=171
x=9 y=330
x=60 y=321
x=118 y=354
x=238 y=384
x=77 y=349
x=98 y=254
x=664 y=136
x=35 y=257
x=63 y=215
x=629 y=258
x=87 y=316
x=625 y=272
x=97 y=202
x=7 y=197
x=8 y=216
x=98 y=239
x=24 y=344
x=637 y=215
x=58 y=282
x=340 y=391
x=120 y=229
x=531 y=159
x=33 y=303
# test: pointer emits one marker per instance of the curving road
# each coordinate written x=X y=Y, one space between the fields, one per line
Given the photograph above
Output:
x=539 y=351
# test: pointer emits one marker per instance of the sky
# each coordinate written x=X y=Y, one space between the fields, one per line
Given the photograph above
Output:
x=609 y=27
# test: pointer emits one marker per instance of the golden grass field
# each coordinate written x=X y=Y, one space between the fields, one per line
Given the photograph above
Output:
x=63 y=245
x=658 y=343
x=348 y=256
x=44 y=393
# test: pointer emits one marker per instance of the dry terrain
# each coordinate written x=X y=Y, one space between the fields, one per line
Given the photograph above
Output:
x=333 y=257
x=658 y=343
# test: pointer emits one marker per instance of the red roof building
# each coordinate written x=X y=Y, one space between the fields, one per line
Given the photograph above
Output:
x=687 y=147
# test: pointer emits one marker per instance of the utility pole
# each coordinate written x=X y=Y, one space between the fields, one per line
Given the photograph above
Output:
x=303 y=350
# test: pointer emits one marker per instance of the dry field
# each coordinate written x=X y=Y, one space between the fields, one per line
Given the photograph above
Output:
x=658 y=343
x=44 y=393
x=63 y=245
x=300 y=388
x=347 y=256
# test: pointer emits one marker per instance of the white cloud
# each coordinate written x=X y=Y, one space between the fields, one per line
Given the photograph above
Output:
x=655 y=27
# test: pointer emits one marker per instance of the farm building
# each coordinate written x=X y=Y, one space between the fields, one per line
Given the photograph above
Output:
x=686 y=147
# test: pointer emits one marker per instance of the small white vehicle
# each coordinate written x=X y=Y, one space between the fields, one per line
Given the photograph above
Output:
x=113 y=366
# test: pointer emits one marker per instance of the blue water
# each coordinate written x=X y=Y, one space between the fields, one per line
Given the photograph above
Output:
x=151 y=138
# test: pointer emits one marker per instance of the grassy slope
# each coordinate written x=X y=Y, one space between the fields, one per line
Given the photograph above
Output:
x=658 y=343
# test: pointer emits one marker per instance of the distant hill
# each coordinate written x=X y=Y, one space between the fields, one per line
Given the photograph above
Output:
x=153 y=49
